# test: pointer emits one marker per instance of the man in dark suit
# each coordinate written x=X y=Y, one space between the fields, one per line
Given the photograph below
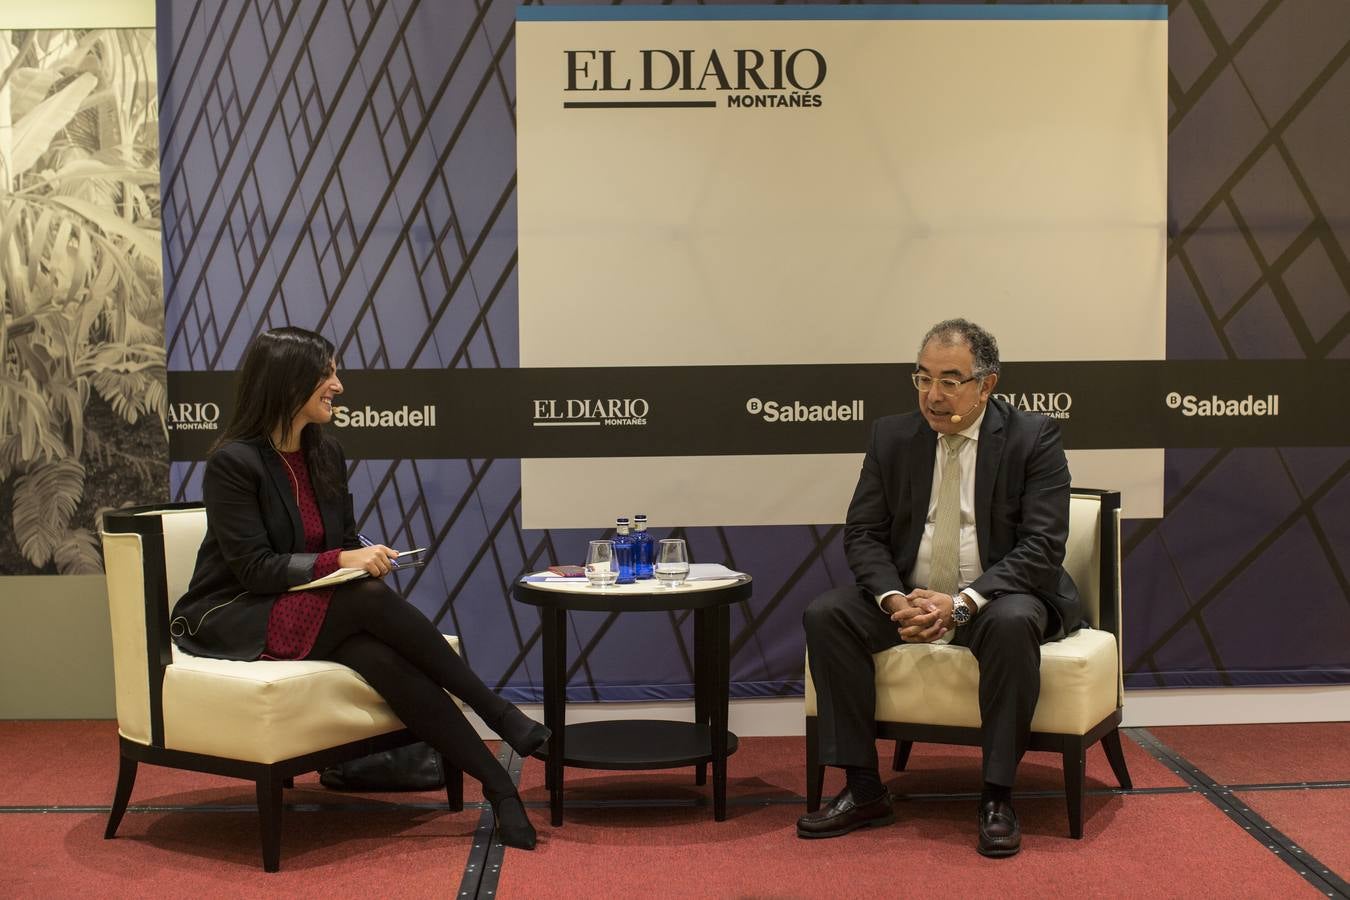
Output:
x=955 y=533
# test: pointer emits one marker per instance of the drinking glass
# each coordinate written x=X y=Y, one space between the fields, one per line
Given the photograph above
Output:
x=600 y=570
x=672 y=562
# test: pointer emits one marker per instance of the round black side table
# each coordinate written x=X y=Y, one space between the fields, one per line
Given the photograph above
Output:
x=639 y=743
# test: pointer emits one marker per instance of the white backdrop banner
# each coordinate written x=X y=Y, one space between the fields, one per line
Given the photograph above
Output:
x=704 y=186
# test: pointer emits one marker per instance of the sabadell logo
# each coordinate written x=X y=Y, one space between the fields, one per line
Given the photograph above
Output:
x=1215 y=406
x=797 y=411
x=369 y=417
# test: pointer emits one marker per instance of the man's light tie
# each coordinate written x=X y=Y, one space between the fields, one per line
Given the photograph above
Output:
x=945 y=565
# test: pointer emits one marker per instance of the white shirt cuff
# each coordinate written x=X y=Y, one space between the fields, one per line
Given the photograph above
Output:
x=974 y=598
x=881 y=598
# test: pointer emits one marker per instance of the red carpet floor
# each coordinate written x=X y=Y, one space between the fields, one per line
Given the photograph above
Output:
x=652 y=834
x=401 y=853
x=1172 y=845
x=1317 y=818
x=1264 y=754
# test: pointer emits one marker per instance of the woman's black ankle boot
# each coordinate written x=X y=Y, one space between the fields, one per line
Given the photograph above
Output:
x=512 y=824
x=524 y=734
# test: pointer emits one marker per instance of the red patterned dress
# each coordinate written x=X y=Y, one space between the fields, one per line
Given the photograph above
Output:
x=298 y=616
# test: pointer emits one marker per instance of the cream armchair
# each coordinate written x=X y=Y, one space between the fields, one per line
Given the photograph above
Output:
x=264 y=721
x=929 y=692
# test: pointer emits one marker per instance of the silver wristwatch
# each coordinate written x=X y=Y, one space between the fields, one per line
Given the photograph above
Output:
x=960 y=609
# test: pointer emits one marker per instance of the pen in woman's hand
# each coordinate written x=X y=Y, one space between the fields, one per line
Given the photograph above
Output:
x=367 y=542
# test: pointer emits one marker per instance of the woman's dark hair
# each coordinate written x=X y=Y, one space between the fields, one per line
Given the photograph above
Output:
x=281 y=370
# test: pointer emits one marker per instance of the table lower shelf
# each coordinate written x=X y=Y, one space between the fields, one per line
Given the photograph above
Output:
x=638 y=744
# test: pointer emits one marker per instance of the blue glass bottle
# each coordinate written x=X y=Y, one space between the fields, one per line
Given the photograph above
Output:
x=623 y=551
x=642 y=547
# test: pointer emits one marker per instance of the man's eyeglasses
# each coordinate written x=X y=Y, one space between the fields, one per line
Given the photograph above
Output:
x=948 y=386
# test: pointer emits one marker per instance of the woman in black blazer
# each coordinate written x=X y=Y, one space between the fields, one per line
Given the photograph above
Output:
x=279 y=515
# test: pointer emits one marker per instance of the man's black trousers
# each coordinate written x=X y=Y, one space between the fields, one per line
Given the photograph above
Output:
x=844 y=627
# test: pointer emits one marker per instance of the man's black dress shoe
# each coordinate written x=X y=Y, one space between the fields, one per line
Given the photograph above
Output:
x=844 y=815
x=1000 y=835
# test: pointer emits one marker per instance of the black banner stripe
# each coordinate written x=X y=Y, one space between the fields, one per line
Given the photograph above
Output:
x=737 y=410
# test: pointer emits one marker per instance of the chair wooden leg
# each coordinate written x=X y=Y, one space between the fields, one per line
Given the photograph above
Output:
x=126 y=778
x=1075 y=768
x=901 y=758
x=1115 y=754
x=454 y=787
x=269 y=818
x=815 y=772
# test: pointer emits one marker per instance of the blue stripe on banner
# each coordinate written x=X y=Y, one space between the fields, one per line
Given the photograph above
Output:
x=941 y=11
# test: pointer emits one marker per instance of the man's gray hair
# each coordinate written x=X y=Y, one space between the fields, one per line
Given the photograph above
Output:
x=960 y=331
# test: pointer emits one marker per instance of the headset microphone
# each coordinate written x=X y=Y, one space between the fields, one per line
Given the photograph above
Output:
x=957 y=417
